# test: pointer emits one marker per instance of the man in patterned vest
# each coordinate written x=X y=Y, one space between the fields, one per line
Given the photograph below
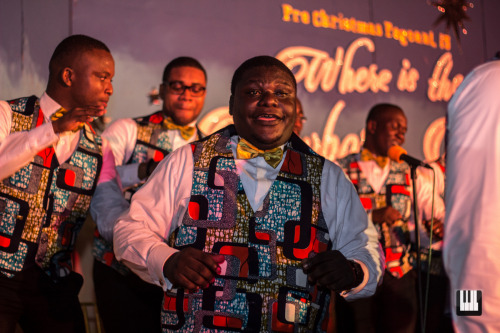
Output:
x=249 y=229
x=126 y=303
x=50 y=162
x=385 y=190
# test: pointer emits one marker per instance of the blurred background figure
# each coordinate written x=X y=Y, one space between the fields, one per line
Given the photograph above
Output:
x=385 y=190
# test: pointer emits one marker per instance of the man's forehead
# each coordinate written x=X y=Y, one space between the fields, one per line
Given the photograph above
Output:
x=392 y=115
x=94 y=57
x=185 y=71
x=261 y=73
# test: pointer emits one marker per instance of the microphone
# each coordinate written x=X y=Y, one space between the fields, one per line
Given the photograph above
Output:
x=398 y=154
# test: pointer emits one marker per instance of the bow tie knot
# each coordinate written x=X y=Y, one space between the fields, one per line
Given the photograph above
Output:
x=367 y=155
x=245 y=150
x=185 y=131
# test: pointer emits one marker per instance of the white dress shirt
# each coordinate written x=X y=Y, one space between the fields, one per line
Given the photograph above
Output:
x=158 y=207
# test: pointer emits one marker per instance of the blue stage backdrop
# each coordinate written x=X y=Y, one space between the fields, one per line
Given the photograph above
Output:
x=346 y=55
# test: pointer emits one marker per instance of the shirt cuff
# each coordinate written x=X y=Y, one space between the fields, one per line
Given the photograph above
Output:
x=42 y=136
x=156 y=260
x=366 y=275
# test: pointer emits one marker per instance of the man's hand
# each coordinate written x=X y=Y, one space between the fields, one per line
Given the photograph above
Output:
x=192 y=269
x=332 y=270
x=437 y=228
x=387 y=214
x=72 y=119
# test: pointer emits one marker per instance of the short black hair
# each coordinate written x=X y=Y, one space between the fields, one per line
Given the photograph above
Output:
x=182 y=62
x=70 y=47
x=377 y=110
x=259 y=61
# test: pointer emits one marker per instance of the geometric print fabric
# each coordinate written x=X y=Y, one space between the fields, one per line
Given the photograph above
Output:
x=262 y=286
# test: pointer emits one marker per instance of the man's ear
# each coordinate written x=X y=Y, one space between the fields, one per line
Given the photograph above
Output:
x=231 y=101
x=371 y=126
x=67 y=76
x=161 y=91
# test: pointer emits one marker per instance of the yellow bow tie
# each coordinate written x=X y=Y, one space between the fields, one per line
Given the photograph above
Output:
x=186 y=131
x=245 y=150
x=59 y=113
x=367 y=155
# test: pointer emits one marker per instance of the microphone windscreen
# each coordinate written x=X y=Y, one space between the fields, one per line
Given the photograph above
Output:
x=395 y=153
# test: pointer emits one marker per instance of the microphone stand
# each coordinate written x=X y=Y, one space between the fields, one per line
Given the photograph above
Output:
x=420 y=309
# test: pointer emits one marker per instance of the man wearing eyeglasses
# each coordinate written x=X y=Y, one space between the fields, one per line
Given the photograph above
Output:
x=125 y=302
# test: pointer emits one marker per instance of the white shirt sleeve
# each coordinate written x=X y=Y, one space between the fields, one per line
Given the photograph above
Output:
x=141 y=234
x=18 y=149
x=107 y=202
x=350 y=230
x=428 y=199
x=122 y=137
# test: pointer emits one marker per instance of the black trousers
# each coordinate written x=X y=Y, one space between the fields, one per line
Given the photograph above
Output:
x=39 y=304
x=394 y=307
x=125 y=302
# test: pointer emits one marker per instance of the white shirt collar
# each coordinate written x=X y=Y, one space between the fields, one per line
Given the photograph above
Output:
x=48 y=106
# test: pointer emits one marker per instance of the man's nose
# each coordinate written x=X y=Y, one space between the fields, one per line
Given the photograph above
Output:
x=109 y=89
x=186 y=93
x=268 y=98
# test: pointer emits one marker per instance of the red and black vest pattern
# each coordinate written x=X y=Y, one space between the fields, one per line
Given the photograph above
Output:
x=263 y=287
x=44 y=204
x=152 y=143
x=396 y=192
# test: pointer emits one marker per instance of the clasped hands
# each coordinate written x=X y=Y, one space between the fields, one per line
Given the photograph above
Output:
x=193 y=269
x=72 y=119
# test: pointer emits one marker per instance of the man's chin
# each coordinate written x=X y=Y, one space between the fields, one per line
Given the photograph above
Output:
x=269 y=142
x=183 y=118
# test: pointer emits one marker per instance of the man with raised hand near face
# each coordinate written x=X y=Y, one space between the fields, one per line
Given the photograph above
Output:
x=249 y=229
x=50 y=163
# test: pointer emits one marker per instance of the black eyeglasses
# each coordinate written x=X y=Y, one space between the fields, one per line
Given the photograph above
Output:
x=178 y=88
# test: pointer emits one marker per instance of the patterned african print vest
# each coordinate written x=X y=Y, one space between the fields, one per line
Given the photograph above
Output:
x=263 y=287
x=152 y=143
x=44 y=204
x=396 y=192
